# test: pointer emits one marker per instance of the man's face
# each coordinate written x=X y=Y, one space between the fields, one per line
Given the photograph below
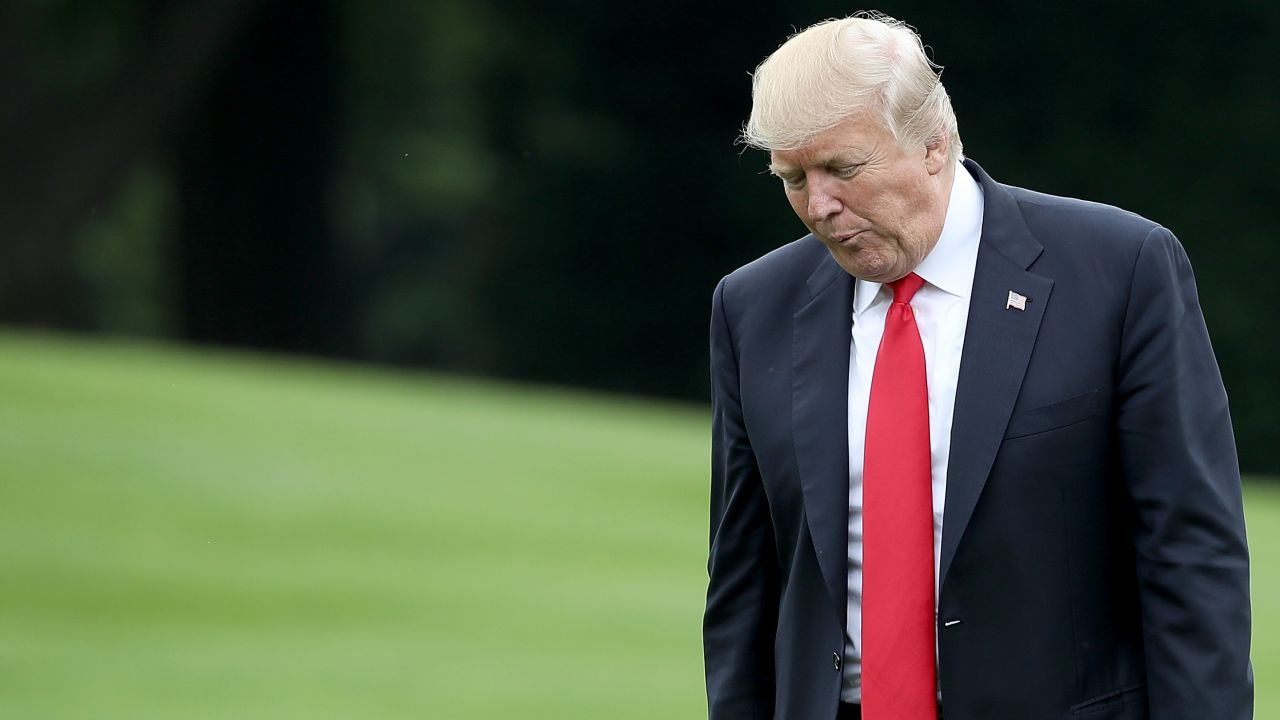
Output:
x=878 y=207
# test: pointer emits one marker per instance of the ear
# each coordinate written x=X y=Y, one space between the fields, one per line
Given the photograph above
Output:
x=937 y=153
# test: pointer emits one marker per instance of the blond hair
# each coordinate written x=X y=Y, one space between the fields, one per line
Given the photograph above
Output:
x=836 y=68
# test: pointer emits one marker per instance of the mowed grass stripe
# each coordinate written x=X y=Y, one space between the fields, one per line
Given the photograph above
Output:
x=200 y=535
x=207 y=535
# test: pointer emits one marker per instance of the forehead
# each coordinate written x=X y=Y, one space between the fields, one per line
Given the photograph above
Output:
x=856 y=135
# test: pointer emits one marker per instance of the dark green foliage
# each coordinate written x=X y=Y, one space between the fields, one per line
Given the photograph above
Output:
x=549 y=191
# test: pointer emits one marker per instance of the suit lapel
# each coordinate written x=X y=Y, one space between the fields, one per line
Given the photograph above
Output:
x=820 y=418
x=997 y=346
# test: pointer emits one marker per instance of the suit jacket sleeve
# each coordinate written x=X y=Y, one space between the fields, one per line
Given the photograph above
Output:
x=742 y=595
x=1179 y=463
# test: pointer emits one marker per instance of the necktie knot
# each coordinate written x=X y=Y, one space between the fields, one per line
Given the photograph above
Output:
x=904 y=288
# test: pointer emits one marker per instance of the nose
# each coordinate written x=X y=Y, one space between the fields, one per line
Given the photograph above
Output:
x=822 y=203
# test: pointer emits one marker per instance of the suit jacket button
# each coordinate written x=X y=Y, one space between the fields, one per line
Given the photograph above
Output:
x=835 y=660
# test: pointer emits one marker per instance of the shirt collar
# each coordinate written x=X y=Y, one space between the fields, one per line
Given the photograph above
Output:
x=950 y=265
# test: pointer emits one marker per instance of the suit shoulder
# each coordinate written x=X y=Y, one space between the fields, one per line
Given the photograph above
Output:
x=1092 y=225
x=1092 y=250
x=784 y=267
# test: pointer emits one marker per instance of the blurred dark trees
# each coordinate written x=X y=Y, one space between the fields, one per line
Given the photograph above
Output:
x=549 y=190
x=253 y=162
x=87 y=91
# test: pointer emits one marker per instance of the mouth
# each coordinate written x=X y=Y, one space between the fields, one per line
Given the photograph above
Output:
x=847 y=239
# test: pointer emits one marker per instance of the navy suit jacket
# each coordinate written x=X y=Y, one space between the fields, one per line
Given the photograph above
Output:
x=1093 y=561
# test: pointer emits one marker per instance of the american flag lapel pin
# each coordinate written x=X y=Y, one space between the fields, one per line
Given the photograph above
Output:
x=1016 y=301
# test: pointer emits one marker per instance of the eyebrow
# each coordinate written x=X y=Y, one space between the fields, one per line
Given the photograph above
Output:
x=838 y=158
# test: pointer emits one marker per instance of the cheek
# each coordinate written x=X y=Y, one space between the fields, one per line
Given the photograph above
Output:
x=869 y=204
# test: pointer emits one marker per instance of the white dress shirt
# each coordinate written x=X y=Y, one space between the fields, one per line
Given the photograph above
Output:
x=941 y=308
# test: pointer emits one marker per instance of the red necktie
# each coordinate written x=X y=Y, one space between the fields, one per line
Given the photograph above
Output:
x=899 y=677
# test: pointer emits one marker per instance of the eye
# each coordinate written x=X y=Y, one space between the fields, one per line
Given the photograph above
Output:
x=792 y=182
x=844 y=172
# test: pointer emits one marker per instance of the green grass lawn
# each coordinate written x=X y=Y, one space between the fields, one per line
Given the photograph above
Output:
x=195 y=535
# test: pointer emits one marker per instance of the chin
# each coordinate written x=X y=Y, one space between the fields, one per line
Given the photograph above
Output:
x=870 y=271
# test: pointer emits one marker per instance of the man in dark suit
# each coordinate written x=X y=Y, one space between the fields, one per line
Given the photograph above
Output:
x=960 y=413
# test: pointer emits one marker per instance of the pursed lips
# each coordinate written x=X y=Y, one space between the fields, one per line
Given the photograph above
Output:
x=847 y=239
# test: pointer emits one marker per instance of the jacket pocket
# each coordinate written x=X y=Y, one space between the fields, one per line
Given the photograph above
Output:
x=1111 y=700
x=1054 y=415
